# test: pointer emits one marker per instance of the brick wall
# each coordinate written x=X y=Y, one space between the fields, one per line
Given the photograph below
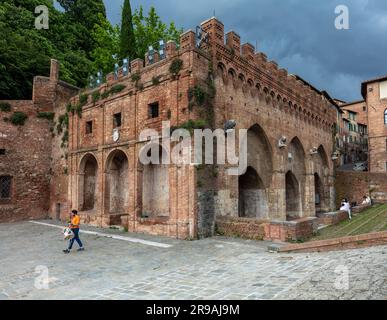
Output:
x=354 y=185
x=27 y=161
x=241 y=227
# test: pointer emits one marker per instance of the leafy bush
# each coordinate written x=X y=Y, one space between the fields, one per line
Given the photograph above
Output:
x=64 y=120
x=156 y=80
x=83 y=99
x=18 y=118
x=176 y=66
x=5 y=107
x=96 y=95
x=200 y=95
x=191 y=125
x=69 y=107
x=78 y=109
x=46 y=115
x=136 y=77
x=105 y=94
x=117 y=88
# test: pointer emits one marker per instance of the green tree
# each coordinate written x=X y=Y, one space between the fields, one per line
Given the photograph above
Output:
x=149 y=30
x=84 y=14
x=107 y=39
x=127 y=38
x=26 y=52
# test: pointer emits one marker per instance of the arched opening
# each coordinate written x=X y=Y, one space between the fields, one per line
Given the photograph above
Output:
x=252 y=195
x=259 y=153
x=231 y=74
x=88 y=175
x=296 y=177
x=117 y=183
x=321 y=169
x=318 y=192
x=155 y=188
x=242 y=78
x=254 y=183
x=293 y=197
x=221 y=69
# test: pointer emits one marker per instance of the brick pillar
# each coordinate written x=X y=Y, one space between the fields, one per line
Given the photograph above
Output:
x=215 y=29
x=309 y=206
x=277 y=197
x=54 y=71
x=171 y=49
x=233 y=40
x=332 y=193
x=248 y=51
x=137 y=65
x=187 y=40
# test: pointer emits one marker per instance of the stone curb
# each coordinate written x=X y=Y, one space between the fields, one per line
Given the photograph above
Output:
x=369 y=239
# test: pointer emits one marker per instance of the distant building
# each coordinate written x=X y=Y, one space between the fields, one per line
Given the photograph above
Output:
x=375 y=95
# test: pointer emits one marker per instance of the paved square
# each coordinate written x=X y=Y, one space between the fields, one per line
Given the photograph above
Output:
x=217 y=268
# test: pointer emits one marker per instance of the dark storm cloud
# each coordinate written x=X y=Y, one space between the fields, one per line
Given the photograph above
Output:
x=299 y=34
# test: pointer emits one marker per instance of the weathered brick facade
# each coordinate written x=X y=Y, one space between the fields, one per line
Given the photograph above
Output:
x=283 y=188
x=110 y=186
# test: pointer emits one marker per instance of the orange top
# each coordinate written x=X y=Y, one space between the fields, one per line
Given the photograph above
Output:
x=75 y=222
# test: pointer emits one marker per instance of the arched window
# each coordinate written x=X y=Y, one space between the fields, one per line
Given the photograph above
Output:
x=385 y=116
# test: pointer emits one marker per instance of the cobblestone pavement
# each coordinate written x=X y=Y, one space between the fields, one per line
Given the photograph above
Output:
x=217 y=268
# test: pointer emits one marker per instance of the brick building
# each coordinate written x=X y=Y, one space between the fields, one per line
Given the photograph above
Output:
x=371 y=116
x=290 y=174
x=375 y=95
x=356 y=132
x=282 y=183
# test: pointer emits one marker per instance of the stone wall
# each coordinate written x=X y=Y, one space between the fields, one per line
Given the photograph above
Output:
x=354 y=185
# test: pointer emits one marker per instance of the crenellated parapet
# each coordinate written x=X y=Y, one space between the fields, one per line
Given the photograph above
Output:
x=241 y=63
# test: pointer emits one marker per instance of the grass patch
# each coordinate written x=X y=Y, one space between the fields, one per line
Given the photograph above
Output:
x=371 y=220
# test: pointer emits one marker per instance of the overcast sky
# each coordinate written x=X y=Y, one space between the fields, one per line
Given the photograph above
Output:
x=299 y=34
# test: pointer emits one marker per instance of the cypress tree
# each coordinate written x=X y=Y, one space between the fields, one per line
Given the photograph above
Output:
x=127 y=38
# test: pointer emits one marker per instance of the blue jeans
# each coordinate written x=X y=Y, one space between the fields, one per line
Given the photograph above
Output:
x=76 y=238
